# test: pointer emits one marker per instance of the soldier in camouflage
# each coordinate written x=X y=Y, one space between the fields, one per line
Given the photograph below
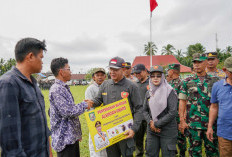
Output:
x=174 y=74
x=212 y=66
x=195 y=93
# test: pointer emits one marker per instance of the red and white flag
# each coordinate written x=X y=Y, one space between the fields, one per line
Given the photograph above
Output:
x=153 y=4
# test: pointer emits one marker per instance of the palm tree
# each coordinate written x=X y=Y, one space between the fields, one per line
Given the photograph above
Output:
x=222 y=55
x=218 y=50
x=179 y=53
x=187 y=61
x=168 y=50
x=229 y=49
x=197 y=48
x=150 y=47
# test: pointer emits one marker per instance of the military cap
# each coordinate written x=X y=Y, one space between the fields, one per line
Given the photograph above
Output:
x=99 y=70
x=174 y=67
x=199 y=57
x=116 y=63
x=211 y=55
x=228 y=64
x=138 y=68
x=156 y=68
x=97 y=124
x=127 y=65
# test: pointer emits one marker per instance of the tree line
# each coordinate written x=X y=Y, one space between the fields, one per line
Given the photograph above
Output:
x=6 y=65
x=185 y=58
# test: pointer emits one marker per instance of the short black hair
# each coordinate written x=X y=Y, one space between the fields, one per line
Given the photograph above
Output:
x=27 y=45
x=57 y=64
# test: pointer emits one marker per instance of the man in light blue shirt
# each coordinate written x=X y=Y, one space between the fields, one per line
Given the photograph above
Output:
x=221 y=107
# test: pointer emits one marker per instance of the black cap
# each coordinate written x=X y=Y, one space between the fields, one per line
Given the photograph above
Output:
x=156 y=68
x=127 y=65
x=211 y=55
x=116 y=63
x=138 y=68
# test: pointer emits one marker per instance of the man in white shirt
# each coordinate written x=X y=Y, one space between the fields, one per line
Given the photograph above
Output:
x=99 y=77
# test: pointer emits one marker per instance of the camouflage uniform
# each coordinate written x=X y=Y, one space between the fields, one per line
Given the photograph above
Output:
x=198 y=95
x=181 y=139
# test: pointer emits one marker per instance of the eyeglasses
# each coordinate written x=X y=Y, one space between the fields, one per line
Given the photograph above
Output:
x=157 y=76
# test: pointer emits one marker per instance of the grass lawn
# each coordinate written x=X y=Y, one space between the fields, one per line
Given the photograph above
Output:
x=79 y=95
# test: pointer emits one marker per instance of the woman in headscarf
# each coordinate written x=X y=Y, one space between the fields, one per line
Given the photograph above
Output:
x=159 y=109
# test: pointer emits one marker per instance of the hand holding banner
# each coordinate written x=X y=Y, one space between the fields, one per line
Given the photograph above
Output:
x=108 y=124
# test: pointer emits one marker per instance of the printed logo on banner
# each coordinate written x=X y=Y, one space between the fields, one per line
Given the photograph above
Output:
x=92 y=116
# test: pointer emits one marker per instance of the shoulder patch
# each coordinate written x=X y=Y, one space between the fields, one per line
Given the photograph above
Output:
x=124 y=94
x=104 y=93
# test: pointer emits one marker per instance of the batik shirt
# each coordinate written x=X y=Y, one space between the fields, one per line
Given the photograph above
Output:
x=65 y=124
x=219 y=73
x=198 y=95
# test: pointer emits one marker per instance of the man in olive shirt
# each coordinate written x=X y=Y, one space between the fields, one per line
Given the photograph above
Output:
x=117 y=88
x=143 y=85
x=175 y=82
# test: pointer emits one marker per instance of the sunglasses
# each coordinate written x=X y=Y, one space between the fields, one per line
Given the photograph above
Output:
x=157 y=76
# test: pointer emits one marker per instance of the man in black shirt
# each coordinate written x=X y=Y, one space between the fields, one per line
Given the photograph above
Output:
x=143 y=84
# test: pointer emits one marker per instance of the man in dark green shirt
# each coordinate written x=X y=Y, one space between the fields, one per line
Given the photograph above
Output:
x=117 y=88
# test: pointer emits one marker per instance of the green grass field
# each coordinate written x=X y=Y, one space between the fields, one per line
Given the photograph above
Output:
x=79 y=95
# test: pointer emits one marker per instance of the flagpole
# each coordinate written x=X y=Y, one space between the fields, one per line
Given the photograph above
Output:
x=150 y=41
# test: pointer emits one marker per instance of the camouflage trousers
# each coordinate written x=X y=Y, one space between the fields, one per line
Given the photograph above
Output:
x=195 y=140
x=181 y=139
x=181 y=142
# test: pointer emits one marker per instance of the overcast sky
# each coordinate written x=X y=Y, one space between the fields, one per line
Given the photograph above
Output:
x=90 y=32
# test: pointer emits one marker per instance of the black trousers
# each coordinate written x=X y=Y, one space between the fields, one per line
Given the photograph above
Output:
x=123 y=148
x=71 y=150
x=154 y=143
x=139 y=139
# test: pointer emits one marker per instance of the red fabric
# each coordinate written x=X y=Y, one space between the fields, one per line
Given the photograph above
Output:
x=153 y=4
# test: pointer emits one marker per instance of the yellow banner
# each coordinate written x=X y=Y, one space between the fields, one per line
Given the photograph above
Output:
x=107 y=124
